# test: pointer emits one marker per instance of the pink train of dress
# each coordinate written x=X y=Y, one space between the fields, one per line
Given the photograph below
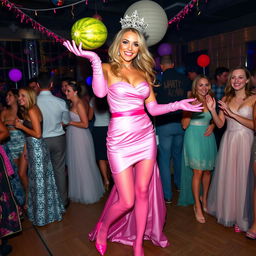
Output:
x=131 y=138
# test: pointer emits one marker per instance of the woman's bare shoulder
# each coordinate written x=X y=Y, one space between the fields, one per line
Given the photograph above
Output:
x=106 y=66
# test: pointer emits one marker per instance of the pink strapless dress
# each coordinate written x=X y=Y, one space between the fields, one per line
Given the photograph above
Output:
x=131 y=138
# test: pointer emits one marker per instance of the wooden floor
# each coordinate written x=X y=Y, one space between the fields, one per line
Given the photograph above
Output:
x=187 y=237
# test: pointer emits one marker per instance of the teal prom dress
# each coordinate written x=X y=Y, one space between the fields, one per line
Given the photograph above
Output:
x=199 y=152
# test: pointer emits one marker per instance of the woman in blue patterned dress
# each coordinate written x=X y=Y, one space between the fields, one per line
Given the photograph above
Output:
x=9 y=216
x=199 y=151
x=44 y=203
x=14 y=145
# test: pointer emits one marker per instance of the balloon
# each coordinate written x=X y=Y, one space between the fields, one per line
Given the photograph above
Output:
x=164 y=49
x=154 y=15
x=15 y=75
x=203 y=60
x=58 y=2
x=89 y=80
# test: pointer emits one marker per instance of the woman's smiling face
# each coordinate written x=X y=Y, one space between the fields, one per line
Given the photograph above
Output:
x=129 y=46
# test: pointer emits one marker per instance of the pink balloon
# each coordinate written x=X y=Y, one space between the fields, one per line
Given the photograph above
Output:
x=164 y=49
x=15 y=75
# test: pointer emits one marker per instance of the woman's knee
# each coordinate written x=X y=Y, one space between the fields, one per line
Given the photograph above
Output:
x=142 y=192
x=128 y=204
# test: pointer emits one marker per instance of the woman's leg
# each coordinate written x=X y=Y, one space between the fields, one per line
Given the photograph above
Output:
x=144 y=170
x=103 y=165
x=124 y=182
x=206 y=183
x=196 y=182
x=23 y=166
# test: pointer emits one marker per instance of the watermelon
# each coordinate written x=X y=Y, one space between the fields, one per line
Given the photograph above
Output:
x=91 y=32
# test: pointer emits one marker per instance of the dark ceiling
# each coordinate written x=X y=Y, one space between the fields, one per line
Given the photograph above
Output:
x=216 y=16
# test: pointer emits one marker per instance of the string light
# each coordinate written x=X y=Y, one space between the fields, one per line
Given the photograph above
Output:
x=53 y=8
x=181 y=15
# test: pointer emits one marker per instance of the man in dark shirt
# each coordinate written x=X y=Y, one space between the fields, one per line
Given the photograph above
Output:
x=174 y=87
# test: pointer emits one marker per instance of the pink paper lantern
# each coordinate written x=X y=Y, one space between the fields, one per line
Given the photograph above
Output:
x=164 y=49
x=15 y=75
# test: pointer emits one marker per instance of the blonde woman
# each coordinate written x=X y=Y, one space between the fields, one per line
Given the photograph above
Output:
x=199 y=151
x=131 y=147
x=44 y=203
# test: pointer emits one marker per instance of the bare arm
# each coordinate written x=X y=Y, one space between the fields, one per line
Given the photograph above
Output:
x=3 y=131
x=219 y=119
x=186 y=118
x=254 y=116
x=249 y=123
x=35 y=118
x=91 y=113
x=83 y=117
x=3 y=115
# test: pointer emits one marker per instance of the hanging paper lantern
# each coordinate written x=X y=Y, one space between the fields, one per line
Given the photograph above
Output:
x=155 y=16
x=164 y=49
x=92 y=33
x=15 y=75
x=203 y=60
x=58 y=2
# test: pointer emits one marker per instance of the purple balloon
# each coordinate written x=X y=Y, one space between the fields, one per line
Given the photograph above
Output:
x=164 y=49
x=15 y=75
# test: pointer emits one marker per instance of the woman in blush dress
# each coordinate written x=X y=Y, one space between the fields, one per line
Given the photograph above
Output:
x=227 y=194
x=135 y=209
x=44 y=203
x=85 y=183
x=199 y=151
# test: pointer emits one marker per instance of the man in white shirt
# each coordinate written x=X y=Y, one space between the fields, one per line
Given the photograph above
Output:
x=55 y=113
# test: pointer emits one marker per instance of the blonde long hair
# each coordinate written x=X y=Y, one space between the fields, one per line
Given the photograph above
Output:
x=230 y=91
x=144 y=61
x=31 y=98
x=194 y=84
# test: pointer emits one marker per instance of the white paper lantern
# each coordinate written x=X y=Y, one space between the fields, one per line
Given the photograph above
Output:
x=155 y=16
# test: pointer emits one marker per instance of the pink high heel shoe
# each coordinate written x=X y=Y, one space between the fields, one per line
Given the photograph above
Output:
x=101 y=248
x=237 y=229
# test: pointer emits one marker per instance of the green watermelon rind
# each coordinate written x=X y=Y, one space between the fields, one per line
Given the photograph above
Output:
x=89 y=38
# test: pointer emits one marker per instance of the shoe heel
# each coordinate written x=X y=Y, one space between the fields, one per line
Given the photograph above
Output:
x=101 y=248
x=237 y=229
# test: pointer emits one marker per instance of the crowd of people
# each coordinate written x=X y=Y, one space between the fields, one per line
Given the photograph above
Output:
x=48 y=151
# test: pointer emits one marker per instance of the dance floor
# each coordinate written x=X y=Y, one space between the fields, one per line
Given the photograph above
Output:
x=186 y=235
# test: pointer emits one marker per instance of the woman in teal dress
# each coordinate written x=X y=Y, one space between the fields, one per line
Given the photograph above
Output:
x=199 y=152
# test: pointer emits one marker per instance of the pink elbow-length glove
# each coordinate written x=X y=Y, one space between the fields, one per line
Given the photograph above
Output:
x=156 y=109
x=99 y=84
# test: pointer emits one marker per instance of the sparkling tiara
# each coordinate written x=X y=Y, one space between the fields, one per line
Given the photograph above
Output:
x=134 y=21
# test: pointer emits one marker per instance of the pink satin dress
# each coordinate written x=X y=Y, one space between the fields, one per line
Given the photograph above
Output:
x=131 y=138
